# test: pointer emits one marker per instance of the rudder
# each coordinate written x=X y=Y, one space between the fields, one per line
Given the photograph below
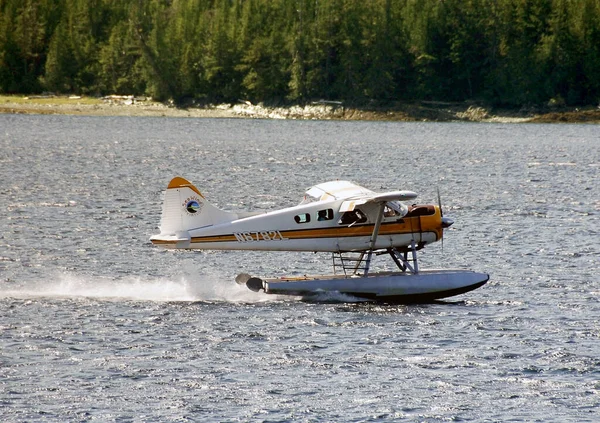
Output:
x=185 y=208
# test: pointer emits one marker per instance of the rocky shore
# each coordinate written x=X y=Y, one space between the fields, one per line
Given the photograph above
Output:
x=321 y=110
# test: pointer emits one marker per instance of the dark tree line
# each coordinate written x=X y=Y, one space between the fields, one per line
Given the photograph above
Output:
x=505 y=52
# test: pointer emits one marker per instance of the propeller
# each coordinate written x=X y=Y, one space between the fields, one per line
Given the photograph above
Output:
x=446 y=221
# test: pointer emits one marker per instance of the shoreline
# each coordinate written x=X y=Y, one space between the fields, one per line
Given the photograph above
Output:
x=323 y=110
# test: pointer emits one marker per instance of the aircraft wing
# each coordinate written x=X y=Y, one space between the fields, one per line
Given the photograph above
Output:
x=349 y=205
x=337 y=190
x=356 y=195
x=391 y=198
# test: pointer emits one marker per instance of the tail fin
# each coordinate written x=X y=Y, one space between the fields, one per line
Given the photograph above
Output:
x=185 y=208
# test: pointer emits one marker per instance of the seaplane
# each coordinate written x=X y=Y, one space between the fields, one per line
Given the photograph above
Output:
x=354 y=224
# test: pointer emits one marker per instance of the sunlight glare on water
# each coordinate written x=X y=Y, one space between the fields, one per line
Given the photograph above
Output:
x=100 y=325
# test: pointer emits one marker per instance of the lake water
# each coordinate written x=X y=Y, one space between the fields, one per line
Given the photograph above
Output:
x=97 y=324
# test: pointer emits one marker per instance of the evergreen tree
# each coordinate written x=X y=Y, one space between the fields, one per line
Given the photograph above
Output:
x=388 y=73
x=25 y=30
x=298 y=13
x=119 y=60
x=10 y=53
x=507 y=52
x=515 y=76
x=588 y=23
x=265 y=60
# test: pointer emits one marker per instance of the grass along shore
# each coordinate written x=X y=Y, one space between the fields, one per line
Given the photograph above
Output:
x=324 y=110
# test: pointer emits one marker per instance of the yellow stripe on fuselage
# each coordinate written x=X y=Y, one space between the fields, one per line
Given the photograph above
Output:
x=409 y=225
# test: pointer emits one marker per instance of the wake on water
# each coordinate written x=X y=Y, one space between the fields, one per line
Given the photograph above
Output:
x=185 y=288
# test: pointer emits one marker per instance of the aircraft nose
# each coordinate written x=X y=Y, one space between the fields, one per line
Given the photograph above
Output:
x=447 y=222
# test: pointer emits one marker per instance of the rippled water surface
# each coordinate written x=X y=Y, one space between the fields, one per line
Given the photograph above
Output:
x=99 y=325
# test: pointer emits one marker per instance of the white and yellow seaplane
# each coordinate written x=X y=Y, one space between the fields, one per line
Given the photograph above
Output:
x=351 y=222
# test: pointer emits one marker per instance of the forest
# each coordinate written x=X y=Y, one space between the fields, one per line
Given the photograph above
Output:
x=506 y=53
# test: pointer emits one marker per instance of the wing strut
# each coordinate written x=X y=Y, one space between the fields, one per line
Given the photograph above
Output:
x=374 y=236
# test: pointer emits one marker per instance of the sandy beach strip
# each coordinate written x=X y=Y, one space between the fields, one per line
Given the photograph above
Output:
x=135 y=106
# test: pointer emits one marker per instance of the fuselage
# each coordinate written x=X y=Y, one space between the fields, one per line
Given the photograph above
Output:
x=316 y=226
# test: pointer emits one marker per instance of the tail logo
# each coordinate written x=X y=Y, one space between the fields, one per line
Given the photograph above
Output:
x=192 y=205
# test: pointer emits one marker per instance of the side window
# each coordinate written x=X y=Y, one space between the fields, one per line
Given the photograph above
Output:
x=326 y=214
x=352 y=217
x=302 y=218
x=389 y=212
x=420 y=210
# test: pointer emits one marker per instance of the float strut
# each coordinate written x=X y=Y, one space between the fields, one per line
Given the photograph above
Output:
x=374 y=237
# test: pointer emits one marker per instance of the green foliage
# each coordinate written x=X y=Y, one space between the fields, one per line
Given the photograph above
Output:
x=505 y=52
x=265 y=58
x=119 y=60
x=25 y=30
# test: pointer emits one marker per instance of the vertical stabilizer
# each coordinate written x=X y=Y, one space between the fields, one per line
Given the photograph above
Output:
x=185 y=208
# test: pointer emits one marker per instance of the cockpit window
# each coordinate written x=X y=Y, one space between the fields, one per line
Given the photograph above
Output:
x=420 y=210
x=326 y=214
x=352 y=217
x=302 y=218
x=389 y=212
